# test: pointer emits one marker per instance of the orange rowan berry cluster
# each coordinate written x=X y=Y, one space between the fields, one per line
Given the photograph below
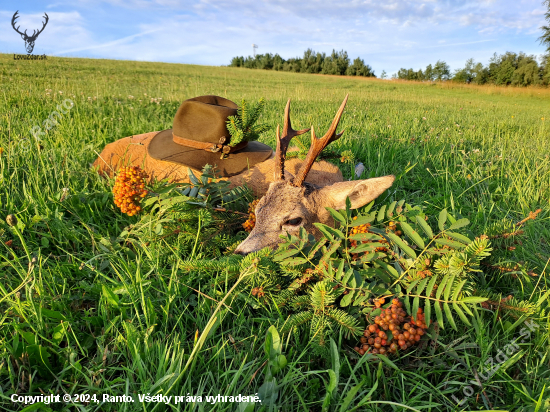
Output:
x=358 y=229
x=392 y=226
x=249 y=224
x=129 y=189
x=258 y=292
x=404 y=330
x=365 y=229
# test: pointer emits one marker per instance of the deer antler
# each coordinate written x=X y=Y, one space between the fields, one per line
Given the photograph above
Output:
x=317 y=145
x=15 y=16
x=43 y=26
x=34 y=33
x=282 y=143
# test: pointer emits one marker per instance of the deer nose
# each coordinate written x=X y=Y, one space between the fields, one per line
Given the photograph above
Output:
x=239 y=251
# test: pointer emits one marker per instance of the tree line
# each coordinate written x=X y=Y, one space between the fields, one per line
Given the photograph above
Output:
x=515 y=69
x=337 y=63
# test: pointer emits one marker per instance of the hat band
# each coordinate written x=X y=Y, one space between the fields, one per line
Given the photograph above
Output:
x=210 y=147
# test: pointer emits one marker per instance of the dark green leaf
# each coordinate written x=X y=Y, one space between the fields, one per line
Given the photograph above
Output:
x=346 y=300
x=425 y=227
x=362 y=220
x=449 y=286
x=458 y=289
x=110 y=297
x=279 y=256
x=459 y=223
x=449 y=315
x=351 y=394
x=316 y=248
x=337 y=215
x=347 y=277
x=459 y=237
x=365 y=236
x=450 y=243
x=439 y=314
x=473 y=299
x=192 y=177
x=294 y=261
x=329 y=232
x=340 y=270
x=381 y=213
x=391 y=208
x=399 y=242
x=442 y=219
x=430 y=287
x=440 y=288
x=389 y=269
x=412 y=285
x=412 y=234
x=427 y=311
x=330 y=251
x=461 y=314
x=421 y=286
x=363 y=247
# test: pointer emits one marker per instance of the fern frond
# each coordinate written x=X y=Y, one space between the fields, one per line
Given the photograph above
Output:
x=347 y=323
x=300 y=302
x=242 y=127
x=296 y=320
x=321 y=295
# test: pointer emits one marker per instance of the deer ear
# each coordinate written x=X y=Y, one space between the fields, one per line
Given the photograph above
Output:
x=360 y=192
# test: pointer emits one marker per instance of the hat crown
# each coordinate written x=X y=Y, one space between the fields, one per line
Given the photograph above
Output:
x=204 y=118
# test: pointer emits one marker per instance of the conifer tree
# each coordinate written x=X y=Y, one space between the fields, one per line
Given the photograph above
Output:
x=545 y=38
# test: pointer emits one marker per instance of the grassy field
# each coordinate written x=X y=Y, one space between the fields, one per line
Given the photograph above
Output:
x=78 y=314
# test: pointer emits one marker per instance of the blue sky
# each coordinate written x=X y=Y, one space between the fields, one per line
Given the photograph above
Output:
x=387 y=34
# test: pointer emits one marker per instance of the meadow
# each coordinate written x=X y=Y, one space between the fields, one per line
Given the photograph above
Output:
x=80 y=314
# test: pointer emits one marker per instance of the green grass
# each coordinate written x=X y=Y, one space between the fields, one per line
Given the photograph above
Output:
x=480 y=152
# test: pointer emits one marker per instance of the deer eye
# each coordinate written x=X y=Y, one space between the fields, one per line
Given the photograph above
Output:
x=294 y=222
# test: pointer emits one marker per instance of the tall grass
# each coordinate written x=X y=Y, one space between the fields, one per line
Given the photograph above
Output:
x=85 y=314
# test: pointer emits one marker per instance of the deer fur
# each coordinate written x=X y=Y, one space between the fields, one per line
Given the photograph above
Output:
x=294 y=193
x=132 y=151
x=283 y=205
x=292 y=202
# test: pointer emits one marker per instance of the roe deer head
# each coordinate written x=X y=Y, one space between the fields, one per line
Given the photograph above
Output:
x=291 y=203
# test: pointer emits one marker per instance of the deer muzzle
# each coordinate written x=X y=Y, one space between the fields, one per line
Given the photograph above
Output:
x=255 y=241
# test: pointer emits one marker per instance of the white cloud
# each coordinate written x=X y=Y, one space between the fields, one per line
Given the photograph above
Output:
x=387 y=35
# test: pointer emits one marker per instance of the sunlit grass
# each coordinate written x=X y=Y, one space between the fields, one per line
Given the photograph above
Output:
x=482 y=152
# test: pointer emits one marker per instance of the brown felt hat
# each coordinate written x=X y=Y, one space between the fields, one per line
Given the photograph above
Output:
x=199 y=136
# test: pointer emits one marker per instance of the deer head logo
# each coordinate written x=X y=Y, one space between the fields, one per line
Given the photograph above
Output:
x=291 y=203
x=29 y=40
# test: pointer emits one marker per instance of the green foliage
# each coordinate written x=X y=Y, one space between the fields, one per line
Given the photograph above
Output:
x=56 y=306
x=276 y=361
x=337 y=63
x=184 y=212
x=545 y=37
x=440 y=71
x=515 y=69
x=335 y=281
x=243 y=127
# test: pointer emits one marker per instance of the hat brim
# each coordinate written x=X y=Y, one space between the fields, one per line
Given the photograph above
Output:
x=162 y=147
